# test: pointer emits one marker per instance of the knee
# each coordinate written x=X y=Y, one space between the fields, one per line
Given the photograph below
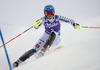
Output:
x=53 y=34
x=34 y=50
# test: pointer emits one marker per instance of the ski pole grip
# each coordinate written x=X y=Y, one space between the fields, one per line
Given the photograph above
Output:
x=37 y=23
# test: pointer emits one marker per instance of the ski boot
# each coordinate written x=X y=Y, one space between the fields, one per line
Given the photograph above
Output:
x=16 y=63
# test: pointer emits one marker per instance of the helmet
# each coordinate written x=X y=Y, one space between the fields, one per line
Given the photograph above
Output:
x=49 y=9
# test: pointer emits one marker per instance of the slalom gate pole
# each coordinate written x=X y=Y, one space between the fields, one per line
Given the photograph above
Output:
x=94 y=27
x=7 y=56
x=17 y=36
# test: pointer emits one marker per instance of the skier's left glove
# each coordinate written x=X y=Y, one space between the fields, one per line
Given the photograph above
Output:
x=76 y=25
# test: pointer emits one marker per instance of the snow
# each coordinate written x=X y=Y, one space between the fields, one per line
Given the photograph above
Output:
x=81 y=48
x=80 y=51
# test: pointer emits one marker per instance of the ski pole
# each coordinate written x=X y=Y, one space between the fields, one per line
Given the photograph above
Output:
x=94 y=27
x=17 y=36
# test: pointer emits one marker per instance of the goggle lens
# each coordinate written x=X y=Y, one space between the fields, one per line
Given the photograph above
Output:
x=49 y=13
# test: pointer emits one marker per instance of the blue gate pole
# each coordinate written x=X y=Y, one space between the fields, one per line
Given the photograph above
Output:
x=7 y=56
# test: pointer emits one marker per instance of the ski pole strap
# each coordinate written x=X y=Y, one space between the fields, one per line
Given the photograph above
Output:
x=94 y=27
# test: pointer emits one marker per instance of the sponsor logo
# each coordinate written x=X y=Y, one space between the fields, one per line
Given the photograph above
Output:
x=49 y=25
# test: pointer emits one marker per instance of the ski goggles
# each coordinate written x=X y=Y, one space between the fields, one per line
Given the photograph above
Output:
x=49 y=13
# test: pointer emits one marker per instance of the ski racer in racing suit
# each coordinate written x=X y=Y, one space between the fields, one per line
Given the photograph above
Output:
x=51 y=36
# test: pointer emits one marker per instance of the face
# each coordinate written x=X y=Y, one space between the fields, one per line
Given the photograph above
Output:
x=49 y=16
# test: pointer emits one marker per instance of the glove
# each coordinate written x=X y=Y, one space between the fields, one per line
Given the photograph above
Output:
x=37 y=24
x=76 y=25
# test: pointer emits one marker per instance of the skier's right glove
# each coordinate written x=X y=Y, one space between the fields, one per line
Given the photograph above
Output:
x=37 y=24
x=76 y=25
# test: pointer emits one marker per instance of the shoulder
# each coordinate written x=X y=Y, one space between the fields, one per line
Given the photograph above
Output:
x=41 y=19
x=59 y=16
x=56 y=16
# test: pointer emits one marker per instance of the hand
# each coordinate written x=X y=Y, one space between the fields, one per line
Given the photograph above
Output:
x=37 y=24
x=76 y=25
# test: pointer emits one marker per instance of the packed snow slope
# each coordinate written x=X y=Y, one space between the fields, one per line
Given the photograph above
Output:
x=81 y=50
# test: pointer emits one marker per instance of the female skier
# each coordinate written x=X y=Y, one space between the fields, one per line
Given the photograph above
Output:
x=51 y=36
